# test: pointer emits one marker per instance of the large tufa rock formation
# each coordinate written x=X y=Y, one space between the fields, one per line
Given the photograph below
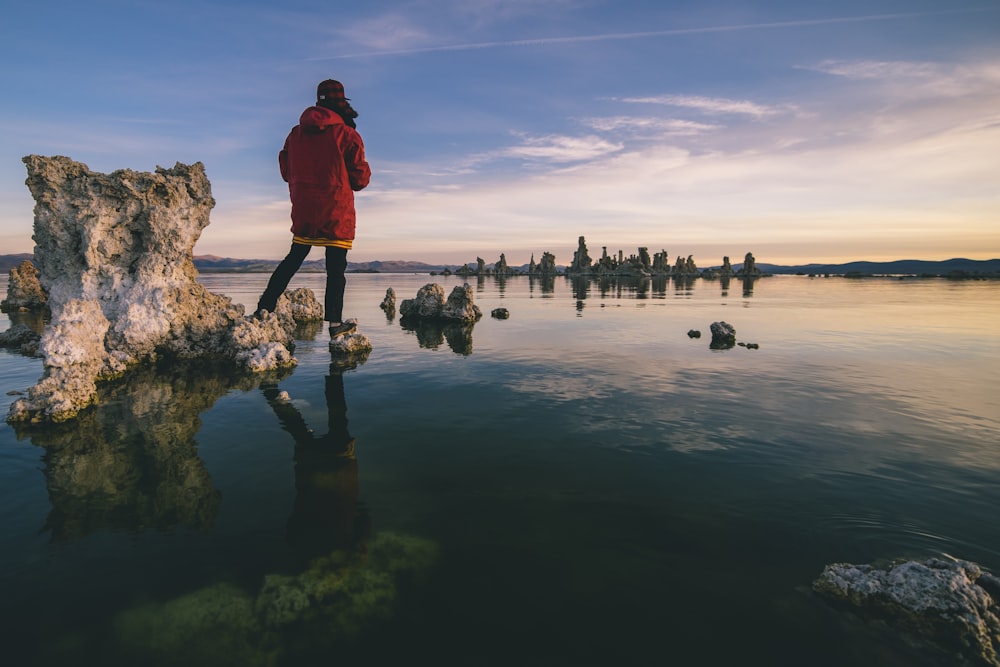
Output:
x=581 y=258
x=114 y=252
x=547 y=267
x=749 y=269
x=952 y=604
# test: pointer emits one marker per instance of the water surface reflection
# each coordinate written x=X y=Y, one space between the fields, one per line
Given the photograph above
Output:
x=131 y=461
x=327 y=513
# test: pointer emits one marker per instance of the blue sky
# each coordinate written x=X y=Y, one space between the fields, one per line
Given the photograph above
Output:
x=819 y=131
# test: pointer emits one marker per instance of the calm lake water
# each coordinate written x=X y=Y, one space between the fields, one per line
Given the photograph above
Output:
x=581 y=484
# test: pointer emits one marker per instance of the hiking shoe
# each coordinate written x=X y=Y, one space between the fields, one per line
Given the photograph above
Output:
x=342 y=328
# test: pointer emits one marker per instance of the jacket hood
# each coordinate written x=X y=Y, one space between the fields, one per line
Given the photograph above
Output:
x=317 y=119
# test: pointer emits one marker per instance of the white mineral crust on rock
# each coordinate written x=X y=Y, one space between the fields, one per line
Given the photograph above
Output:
x=115 y=254
x=429 y=303
x=355 y=343
x=947 y=602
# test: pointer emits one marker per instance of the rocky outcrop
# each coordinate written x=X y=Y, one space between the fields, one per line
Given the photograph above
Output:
x=501 y=268
x=22 y=338
x=114 y=253
x=725 y=272
x=581 y=259
x=430 y=303
x=749 y=269
x=547 y=267
x=24 y=291
x=952 y=604
x=301 y=305
x=388 y=304
x=685 y=267
x=354 y=344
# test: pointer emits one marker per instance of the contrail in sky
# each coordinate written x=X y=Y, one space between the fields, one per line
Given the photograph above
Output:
x=544 y=41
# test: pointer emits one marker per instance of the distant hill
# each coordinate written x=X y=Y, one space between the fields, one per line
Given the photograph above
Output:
x=398 y=266
x=213 y=264
x=909 y=267
x=8 y=262
x=913 y=267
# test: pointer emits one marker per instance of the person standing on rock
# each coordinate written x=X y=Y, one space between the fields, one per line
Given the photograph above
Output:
x=323 y=162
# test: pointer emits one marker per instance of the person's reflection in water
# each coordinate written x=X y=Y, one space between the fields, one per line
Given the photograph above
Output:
x=327 y=514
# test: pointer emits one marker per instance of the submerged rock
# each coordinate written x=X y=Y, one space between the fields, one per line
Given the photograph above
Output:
x=290 y=620
x=24 y=291
x=949 y=603
x=114 y=252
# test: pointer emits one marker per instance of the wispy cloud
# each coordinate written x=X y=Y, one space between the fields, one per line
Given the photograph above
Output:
x=908 y=80
x=383 y=33
x=870 y=69
x=666 y=127
x=562 y=149
x=710 y=105
x=393 y=48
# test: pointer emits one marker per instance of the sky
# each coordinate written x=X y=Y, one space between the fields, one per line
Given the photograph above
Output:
x=822 y=131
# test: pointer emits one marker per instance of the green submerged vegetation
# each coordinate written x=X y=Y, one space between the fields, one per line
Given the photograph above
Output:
x=289 y=616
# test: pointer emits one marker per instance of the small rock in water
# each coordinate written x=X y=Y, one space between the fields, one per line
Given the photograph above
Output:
x=723 y=336
x=389 y=302
x=500 y=313
x=694 y=333
x=351 y=343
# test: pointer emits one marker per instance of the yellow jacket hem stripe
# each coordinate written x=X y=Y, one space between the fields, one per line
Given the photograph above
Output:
x=331 y=243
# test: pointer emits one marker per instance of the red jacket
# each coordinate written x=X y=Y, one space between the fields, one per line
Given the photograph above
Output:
x=323 y=161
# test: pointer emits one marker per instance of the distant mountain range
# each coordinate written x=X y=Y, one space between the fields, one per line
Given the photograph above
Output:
x=913 y=267
x=905 y=267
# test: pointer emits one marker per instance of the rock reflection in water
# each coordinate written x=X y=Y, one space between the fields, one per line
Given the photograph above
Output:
x=431 y=334
x=348 y=579
x=33 y=319
x=545 y=282
x=131 y=461
x=617 y=287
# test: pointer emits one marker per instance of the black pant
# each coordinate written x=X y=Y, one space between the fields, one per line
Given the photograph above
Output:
x=336 y=282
